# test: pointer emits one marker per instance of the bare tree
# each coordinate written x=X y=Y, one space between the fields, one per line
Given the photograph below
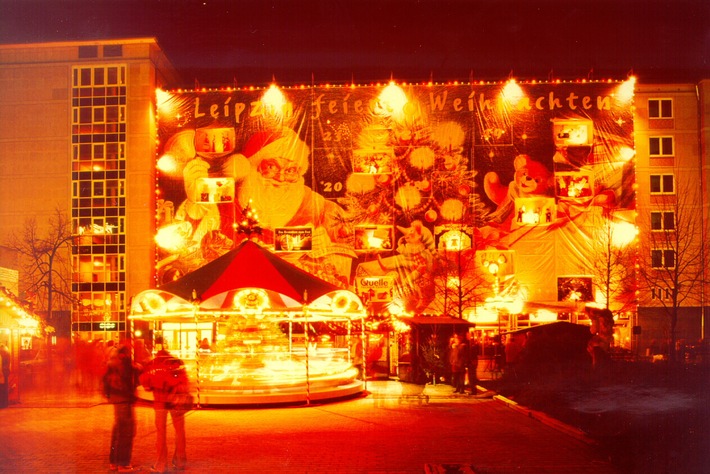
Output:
x=458 y=283
x=45 y=263
x=674 y=256
x=613 y=258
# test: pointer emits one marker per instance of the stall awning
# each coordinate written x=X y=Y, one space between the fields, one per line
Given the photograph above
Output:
x=432 y=320
x=7 y=321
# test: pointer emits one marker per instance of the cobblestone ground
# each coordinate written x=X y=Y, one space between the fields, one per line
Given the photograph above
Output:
x=382 y=432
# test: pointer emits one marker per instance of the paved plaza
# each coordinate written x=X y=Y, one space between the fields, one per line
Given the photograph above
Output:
x=382 y=432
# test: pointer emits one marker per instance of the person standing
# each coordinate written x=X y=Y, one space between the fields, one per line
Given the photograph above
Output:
x=4 y=376
x=473 y=350
x=165 y=376
x=458 y=355
x=119 y=384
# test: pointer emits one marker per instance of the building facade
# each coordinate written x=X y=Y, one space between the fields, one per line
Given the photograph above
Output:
x=80 y=134
x=77 y=127
x=671 y=136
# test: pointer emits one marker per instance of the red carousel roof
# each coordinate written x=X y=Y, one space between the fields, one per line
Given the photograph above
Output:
x=249 y=266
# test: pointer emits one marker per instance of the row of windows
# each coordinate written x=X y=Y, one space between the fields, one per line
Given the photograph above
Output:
x=96 y=133
x=109 y=137
x=113 y=75
x=99 y=188
x=99 y=301
x=98 y=95
x=110 y=96
x=99 y=151
x=110 y=286
x=99 y=226
x=100 y=203
x=98 y=174
x=109 y=51
x=99 y=249
x=99 y=114
x=98 y=268
x=96 y=211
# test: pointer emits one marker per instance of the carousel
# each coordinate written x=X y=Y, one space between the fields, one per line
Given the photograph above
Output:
x=255 y=329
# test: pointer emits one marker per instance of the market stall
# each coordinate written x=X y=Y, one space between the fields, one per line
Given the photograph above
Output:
x=253 y=328
x=21 y=333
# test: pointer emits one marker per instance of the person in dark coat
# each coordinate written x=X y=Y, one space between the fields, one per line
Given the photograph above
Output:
x=458 y=360
x=119 y=383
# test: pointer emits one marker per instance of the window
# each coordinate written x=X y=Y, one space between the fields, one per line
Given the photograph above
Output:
x=660 y=108
x=662 y=258
x=88 y=51
x=663 y=220
x=660 y=146
x=113 y=51
x=661 y=293
x=662 y=184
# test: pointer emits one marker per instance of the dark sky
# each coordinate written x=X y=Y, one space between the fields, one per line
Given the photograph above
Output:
x=217 y=42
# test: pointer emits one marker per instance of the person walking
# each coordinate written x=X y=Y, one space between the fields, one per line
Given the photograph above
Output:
x=4 y=376
x=119 y=385
x=458 y=355
x=166 y=378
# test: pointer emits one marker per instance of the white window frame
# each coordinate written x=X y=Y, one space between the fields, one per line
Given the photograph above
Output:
x=663 y=253
x=660 y=103
x=662 y=215
x=662 y=145
x=661 y=178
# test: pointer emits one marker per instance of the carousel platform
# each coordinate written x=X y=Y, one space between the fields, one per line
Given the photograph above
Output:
x=252 y=396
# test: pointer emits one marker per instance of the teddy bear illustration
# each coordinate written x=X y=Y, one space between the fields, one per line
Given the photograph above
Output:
x=412 y=266
x=531 y=178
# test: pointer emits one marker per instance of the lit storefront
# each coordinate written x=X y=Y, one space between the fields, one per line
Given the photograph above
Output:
x=21 y=332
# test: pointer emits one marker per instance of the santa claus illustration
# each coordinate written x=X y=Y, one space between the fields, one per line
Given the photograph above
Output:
x=269 y=175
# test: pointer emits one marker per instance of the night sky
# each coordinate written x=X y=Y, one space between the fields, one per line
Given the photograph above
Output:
x=218 y=42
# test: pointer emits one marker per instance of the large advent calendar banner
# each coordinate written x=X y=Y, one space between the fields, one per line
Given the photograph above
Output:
x=405 y=194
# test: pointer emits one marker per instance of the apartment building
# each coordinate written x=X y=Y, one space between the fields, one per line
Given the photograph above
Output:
x=78 y=126
x=672 y=133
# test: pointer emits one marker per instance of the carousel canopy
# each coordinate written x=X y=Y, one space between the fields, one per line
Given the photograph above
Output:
x=249 y=266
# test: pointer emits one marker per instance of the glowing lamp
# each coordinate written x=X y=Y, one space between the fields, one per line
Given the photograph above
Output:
x=274 y=100
x=625 y=91
x=623 y=233
x=626 y=153
x=167 y=164
x=512 y=92
x=391 y=101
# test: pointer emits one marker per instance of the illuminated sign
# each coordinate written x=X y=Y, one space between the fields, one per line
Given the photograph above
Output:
x=375 y=289
x=99 y=326
x=293 y=239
